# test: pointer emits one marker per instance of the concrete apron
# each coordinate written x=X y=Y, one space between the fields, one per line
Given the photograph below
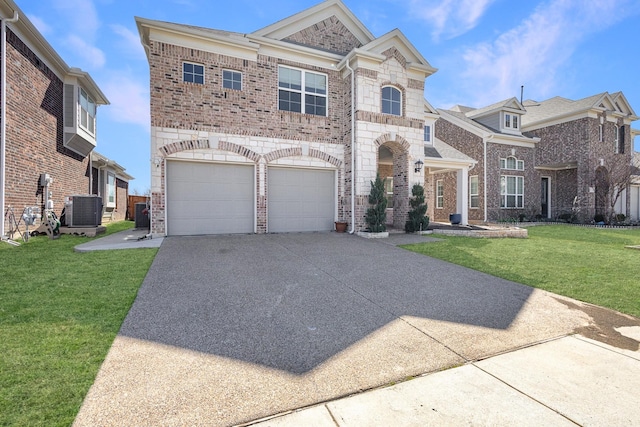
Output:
x=275 y=323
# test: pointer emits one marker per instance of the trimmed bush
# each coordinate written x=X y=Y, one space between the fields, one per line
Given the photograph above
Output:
x=377 y=214
x=417 y=221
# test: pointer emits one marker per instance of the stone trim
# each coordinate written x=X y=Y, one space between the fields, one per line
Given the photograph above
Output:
x=382 y=139
x=366 y=72
x=198 y=144
x=387 y=119
x=415 y=84
x=395 y=53
x=297 y=151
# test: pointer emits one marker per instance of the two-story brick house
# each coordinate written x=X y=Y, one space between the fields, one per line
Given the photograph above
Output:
x=544 y=160
x=283 y=129
x=48 y=122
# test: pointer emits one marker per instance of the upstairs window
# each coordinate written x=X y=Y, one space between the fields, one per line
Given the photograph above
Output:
x=510 y=121
x=391 y=101
x=427 y=134
x=192 y=73
x=600 y=132
x=87 y=112
x=302 y=91
x=512 y=163
x=619 y=140
x=231 y=80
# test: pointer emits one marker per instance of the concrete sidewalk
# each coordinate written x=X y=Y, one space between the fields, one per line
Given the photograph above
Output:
x=127 y=239
x=567 y=381
x=228 y=330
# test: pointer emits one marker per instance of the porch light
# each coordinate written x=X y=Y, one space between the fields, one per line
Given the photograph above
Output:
x=418 y=165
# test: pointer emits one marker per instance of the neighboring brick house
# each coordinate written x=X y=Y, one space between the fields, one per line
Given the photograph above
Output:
x=283 y=129
x=505 y=166
x=110 y=181
x=48 y=123
x=545 y=160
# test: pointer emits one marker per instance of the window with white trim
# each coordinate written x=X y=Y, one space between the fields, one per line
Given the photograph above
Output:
x=427 y=134
x=619 y=140
x=511 y=163
x=231 y=79
x=600 y=132
x=192 y=73
x=511 y=191
x=111 y=190
x=473 y=191
x=87 y=112
x=510 y=121
x=439 y=194
x=391 y=101
x=302 y=91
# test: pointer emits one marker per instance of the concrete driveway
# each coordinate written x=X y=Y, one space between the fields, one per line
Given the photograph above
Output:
x=230 y=329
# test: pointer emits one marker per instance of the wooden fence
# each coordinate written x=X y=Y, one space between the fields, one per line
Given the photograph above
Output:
x=131 y=205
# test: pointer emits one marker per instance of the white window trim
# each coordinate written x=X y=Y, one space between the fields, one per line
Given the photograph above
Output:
x=228 y=70
x=511 y=117
x=505 y=194
x=430 y=133
x=381 y=100
x=504 y=164
x=108 y=203
x=601 y=133
x=439 y=198
x=199 y=65
x=477 y=194
x=303 y=91
x=82 y=111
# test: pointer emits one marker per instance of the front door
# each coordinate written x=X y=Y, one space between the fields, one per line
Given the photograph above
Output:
x=544 y=197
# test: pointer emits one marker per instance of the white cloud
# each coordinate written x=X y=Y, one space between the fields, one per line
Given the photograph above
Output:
x=93 y=56
x=534 y=52
x=39 y=23
x=449 y=18
x=129 y=99
x=130 y=40
x=82 y=16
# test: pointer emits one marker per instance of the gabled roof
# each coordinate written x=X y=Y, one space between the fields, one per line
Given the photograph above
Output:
x=511 y=104
x=559 y=107
x=301 y=20
x=99 y=160
x=462 y=120
x=396 y=39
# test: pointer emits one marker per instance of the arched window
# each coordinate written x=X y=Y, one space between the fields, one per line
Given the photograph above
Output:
x=391 y=101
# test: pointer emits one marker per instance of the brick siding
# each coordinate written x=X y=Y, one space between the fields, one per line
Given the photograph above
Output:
x=34 y=138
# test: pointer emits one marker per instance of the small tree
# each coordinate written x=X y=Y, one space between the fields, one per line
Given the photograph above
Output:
x=377 y=214
x=417 y=221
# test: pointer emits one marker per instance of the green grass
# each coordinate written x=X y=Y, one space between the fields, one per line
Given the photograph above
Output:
x=59 y=313
x=588 y=264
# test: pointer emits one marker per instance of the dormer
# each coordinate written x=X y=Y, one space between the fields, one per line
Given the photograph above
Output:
x=81 y=99
x=504 y=116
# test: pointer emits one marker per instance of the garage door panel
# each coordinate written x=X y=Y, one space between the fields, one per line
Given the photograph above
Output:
x=300 y=199
x=209 y=198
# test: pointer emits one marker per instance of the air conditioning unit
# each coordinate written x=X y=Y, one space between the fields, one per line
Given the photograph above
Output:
x=83 y=210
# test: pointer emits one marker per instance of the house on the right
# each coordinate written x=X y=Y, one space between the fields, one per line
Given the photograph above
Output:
x=555 y=159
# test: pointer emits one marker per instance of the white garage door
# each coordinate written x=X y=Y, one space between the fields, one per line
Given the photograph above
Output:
x=208 y=198
x=300 y=200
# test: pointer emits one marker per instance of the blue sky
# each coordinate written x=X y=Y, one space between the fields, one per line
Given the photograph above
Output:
x=484 y=50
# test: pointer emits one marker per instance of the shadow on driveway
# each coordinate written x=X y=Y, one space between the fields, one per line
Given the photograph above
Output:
x=293 y=301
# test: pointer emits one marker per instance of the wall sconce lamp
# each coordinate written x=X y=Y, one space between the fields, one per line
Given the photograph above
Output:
x=157 y=161
x=418 y=165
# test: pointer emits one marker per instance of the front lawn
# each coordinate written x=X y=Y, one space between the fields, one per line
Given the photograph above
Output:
x=588 y=264
x=59 y=313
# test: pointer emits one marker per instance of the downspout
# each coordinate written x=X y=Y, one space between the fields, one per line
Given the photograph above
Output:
x=353 y=149
x=484 y=171
x=3 y=116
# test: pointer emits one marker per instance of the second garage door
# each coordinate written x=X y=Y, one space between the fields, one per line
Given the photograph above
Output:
x=300 y=199
x=209 y=198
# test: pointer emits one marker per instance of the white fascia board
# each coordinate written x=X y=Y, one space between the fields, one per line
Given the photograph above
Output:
x=294 y=52
x=87 y=83
x=464 y=125
x=518 y=141
x=206 y=43
x=444 y=163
